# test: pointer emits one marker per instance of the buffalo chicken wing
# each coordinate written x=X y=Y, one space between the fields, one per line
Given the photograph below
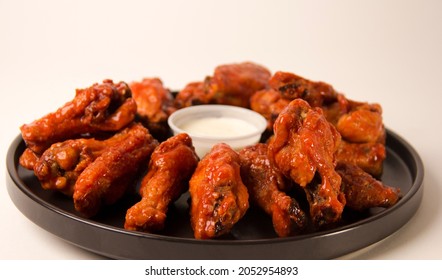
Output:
x=105 y=107
x=303 y=146
x=60 y=165
x=231 y=84
x=368 y=156
x=359 y=123
x=269 y=103
x=292 y=87
x=264 y=183
x=155 y=103
x=193 y=93
x=171 y=165
x=362 y=191
x=322 y=151
x=219 y=198
x=234 y=84
x=108 y=177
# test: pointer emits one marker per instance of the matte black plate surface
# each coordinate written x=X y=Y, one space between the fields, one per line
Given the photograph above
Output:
x=252 y=238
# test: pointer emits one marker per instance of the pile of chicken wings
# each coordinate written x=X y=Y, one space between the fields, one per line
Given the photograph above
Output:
x=321 y=153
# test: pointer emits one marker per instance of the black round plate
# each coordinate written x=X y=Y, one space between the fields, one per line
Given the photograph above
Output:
x=252 y=238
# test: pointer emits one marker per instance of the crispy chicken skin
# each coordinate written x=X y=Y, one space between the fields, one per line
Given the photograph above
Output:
x=171 y=165
x=155 y=104
x=264 y=183
x=303 y=146
x=362 y=191
x=218 y=196
x=100 y=107
x=107 y=178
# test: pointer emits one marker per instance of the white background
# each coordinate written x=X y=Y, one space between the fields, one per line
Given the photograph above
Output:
x=378 y=51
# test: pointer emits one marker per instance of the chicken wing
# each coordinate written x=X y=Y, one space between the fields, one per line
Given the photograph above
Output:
x=171 y=165
x=363 y=134
x=231 y=84
x=107 y=178
x=303 y=146
x=285 y=86
x=362 y=124
x=60 y=165
x=234 y=84
x=292 y=86
x=155 y=103
x=101 y=107
x=368 y=156
x=219 y=199
x=362 y=191
x=28 y=159
x=264 y=183
x=194 y=93
x=269 y=103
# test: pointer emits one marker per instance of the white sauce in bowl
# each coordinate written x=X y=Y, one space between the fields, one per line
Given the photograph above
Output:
x=208 y=125
x=218 y=126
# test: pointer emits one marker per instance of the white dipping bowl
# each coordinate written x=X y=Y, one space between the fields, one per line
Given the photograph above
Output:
x=208 y=125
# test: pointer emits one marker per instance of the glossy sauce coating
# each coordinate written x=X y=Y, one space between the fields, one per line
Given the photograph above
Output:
x=155 y=103
x=194 y=93
x=265 y=184
x=368 y=156
x=269 y=103
x=108 y=177
x=230 y=84
x=361 y=125
x=100 y=107
x=170 y=167
x=304 y=145
x=60 y=165
x=292 y=86
x=306 y=121
x=362 y=191
x=234 y=84
x=218 y=196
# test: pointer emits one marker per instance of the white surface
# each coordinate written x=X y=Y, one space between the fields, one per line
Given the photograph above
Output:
x=379 y=51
